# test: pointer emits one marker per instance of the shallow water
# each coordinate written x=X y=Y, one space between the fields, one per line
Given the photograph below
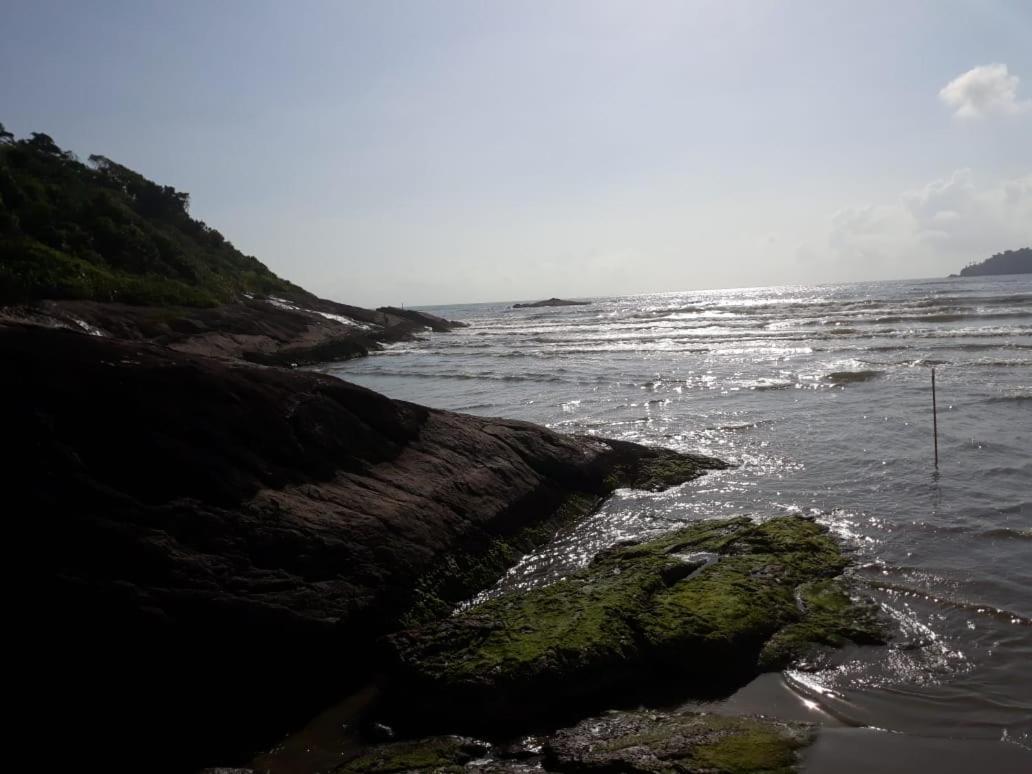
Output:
x=821 y=396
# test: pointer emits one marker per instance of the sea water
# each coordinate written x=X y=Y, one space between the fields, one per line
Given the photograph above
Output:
x=821 y=397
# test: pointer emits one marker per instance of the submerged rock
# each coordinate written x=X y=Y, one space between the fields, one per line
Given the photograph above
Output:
x=699 y=610
x=648 y=742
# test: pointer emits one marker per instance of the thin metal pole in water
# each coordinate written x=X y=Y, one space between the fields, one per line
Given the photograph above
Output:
x=935 y=420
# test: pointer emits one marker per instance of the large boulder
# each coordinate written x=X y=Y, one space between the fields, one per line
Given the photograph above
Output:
x=211 y=548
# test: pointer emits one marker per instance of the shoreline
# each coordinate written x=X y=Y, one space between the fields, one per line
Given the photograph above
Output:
x=261 y=330
x=128 y=357
x=268 y=521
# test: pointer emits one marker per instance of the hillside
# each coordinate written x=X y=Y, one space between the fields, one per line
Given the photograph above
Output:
x=103 y=232
x=1008 y=262
x=99 y=248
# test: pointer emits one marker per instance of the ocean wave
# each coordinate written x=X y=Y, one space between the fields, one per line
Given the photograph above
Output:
x=1006 y=533
x=467 y=376
x=1018 y=397
x=743 y=426
x=943 y=600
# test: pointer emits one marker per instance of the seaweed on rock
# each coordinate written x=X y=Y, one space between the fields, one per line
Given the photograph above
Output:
x=697 y=611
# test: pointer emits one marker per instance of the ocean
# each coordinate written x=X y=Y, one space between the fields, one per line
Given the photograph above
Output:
x=821 y=397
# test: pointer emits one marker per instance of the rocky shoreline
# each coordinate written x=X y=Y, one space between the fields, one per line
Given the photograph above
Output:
x=231 y=540
x=234 y=546
x=696 y=613
x=213 y=545
x=267 y=330
x=521 y=683
x=635 y=742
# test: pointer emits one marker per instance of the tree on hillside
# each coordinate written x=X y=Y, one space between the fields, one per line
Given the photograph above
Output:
x=105 y=232
x=151 y=199
x=43 y=143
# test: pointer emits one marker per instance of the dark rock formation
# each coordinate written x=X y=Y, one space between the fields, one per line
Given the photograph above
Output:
x=425 y=319
x=212 y=547
x=272 y=331
x=643 y=742
x=444 y=753
x=690 y=743
x=551 y=302
x=711 y=604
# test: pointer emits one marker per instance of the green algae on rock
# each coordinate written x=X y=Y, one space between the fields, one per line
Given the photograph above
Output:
x=657 y=473
x=700 y=605
x=831 y=617
x=437 y=754
x=639 y=742
x=457 y=574
x=647 y=742
x=480 y=563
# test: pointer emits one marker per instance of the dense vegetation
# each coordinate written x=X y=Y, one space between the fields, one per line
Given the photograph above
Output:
x=104 y=232
x=1008 y=262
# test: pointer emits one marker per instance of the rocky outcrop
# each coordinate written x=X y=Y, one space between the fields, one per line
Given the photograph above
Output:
x=551 y=302
x=650 y=742
x=271 y=331
x=425 y=319
x=703 y=609
x=642 y=742
x=214 y=546
x=443 y=753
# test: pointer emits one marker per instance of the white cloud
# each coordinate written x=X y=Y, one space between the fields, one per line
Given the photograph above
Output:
x=982 y=91
x=928 y=231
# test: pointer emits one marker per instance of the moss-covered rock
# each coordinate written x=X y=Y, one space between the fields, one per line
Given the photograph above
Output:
x=443 y=754
x=703 y=608
x=457 y=575
x=832 y=616
x=661 y=743
x=641 y=742
x=659 y=472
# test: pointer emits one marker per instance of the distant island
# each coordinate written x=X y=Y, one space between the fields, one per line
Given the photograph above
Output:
x=1008 y=262
x=551 y=302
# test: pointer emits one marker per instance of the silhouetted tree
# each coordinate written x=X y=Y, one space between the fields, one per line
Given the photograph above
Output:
x=43 y=143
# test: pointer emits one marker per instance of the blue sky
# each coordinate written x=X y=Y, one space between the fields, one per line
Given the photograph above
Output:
x=432 y=152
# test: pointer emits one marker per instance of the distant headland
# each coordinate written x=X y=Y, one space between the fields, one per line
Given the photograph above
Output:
x=1008 y=262
x=551 y=302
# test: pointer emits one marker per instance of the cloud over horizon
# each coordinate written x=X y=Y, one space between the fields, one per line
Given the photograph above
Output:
x=932 y=230
x=983 y=91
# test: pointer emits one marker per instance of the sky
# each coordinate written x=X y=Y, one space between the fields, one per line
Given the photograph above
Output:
x=420 y=152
